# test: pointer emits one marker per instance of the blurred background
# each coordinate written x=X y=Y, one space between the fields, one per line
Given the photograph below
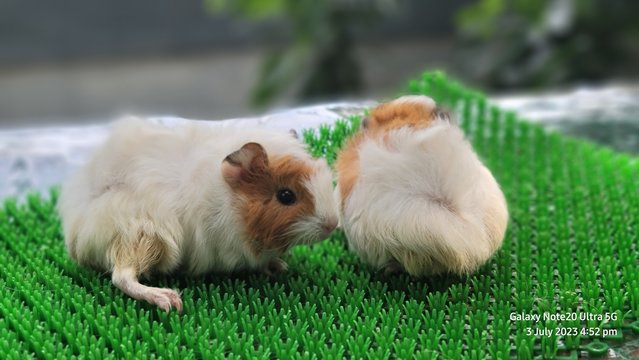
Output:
x=85 y=61
x=69 y=64
x=82 y=60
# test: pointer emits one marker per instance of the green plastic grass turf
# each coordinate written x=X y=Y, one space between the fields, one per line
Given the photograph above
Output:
x=571 y=247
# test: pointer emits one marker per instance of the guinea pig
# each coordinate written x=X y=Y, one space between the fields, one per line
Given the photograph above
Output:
x=195 y=199
x=413 y=194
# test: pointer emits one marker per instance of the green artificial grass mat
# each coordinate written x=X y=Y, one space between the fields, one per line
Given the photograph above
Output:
x=571 y=249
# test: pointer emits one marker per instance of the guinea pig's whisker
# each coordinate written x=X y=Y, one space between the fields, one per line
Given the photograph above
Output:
x=282 y=247
x=309 y=232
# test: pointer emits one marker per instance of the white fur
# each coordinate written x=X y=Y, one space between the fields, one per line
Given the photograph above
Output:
x=398 y=209
x=167 y=182
x=415 y=99
x=321 y=188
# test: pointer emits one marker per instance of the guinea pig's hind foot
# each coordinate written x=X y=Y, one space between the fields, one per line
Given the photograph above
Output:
x=275 y=266
x=126 y=280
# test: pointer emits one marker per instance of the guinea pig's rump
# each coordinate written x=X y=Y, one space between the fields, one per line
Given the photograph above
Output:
x=425 y=200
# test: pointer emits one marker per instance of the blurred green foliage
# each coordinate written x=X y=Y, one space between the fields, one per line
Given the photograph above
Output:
x=320 y=61
x=522 y=43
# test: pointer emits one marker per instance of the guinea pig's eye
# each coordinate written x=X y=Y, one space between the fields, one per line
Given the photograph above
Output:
x=286 y=196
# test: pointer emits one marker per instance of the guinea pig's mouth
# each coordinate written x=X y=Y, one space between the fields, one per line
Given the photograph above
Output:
x=311 y=230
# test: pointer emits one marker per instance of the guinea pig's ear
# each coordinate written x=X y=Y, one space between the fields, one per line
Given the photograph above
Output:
x=366 y=122
x=294 y=134
x=248 y=163
x=441 y=114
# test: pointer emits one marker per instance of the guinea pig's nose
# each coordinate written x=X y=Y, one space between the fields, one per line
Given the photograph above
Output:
x=329 y=226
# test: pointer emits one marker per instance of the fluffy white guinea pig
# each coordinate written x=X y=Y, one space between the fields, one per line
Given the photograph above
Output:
x=195 y=199
x=413 y=194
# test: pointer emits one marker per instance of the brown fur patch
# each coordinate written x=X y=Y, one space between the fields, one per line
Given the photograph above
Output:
x=384 y=117
x=393 y=115
x=268 y=221
x=347 y=166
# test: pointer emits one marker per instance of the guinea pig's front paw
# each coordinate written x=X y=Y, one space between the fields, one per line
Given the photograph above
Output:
x=275 y=266
x=393 y=268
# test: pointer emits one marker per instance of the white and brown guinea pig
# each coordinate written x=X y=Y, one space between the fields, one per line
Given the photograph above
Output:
x=414 y=195
x=196 y=198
